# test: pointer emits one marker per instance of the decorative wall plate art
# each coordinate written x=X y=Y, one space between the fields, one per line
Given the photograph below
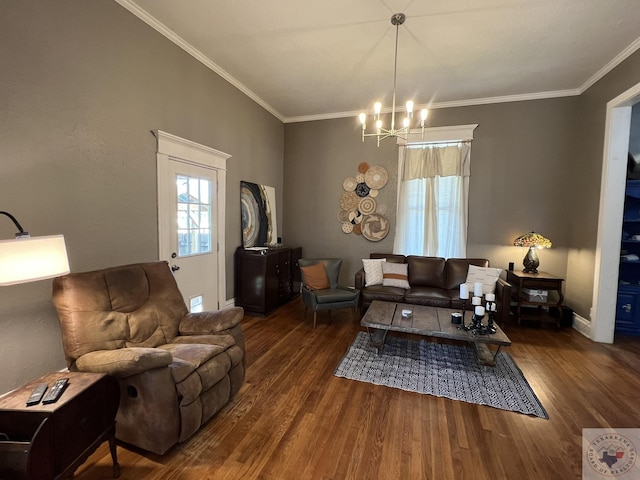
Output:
x=355 y=216
x=375 y=227
x=376 y=177
x=362 y=190
x=367 y=205
x=347 y=227
x=349 y=184
x=349 y=201
x=359 y=213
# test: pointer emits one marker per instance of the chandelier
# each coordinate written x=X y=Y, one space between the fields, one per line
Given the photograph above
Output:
x=381 y=132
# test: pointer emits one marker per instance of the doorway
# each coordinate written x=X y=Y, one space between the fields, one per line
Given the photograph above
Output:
x=614 y=170
x=191 y=219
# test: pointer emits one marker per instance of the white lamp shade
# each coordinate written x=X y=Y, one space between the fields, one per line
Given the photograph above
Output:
x=29 y=259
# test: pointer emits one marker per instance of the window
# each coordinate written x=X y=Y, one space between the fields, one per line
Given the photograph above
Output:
x=433 y=186
x=194 y=215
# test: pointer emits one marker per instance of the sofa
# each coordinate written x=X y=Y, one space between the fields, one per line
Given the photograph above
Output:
x=432 y=281
x=175 y=369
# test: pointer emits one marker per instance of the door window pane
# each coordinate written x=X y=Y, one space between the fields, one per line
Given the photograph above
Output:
x=196 y=304
x=194 y=215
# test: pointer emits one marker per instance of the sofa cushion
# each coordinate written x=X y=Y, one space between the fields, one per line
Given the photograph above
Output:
x=486 y=276
x=395 y=275
x=379 y=292
x=390 y=257
x=372 y=271
x=432 y=297
x=426 y=271
x=457 y=269
x=315 y=276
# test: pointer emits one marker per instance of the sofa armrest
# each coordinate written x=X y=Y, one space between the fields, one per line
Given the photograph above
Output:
x=503 y=298
x=123 y=362
x=208 y=323
x=359 y=281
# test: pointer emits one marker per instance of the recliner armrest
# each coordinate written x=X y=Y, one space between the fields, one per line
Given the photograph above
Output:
x=123 y=362
x=209 y=323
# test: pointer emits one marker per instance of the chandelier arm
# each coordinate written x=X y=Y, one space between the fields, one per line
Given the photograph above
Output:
x=395 y=76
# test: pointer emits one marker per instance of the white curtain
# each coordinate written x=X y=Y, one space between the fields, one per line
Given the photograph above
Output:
x=433 y=191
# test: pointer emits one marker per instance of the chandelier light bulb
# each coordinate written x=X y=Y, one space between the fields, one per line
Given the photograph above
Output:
x=423 y=115
x=405 y=122
x=363 y=119
x=379 y=124
x=410 y=108
x=377 y=108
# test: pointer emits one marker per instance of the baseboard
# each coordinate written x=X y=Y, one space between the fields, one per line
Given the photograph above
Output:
x=582 y=325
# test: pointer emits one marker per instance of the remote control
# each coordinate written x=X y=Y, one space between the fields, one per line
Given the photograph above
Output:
x=37 y=394
x=56 y=391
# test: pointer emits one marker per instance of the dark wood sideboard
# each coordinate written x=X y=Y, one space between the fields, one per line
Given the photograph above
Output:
x=50 y=441
x=265 y=280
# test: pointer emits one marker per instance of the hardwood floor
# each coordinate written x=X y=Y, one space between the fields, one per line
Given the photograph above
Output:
x=294 y=420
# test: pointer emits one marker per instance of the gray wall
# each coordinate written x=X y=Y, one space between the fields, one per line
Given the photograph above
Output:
x=587 y=165
x=536 y=165
x=81 y=86
x=520 y=166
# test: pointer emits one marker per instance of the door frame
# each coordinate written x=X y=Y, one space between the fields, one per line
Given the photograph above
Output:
x=173 y=148
x=607 y=254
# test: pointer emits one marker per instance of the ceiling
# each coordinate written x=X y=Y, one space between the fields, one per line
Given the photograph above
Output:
x=305 y=60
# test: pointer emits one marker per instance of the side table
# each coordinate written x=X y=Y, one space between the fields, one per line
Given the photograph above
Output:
x=52 y=440
x=536 y=281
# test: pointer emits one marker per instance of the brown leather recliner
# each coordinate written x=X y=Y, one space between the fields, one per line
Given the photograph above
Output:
x=175 y=369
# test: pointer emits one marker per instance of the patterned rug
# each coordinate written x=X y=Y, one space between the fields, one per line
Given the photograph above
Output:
x=443 y=370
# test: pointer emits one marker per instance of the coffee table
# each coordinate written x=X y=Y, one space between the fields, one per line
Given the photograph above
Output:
x=382 y=317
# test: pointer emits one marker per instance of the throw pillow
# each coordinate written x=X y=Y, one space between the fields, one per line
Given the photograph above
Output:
x=315 y=276
x=372 y=271
x=395 y=275
x=485 y=275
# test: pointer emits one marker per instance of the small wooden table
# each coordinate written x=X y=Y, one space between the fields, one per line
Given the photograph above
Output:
x=536 y=281
x=382 y=317
x=52 y=440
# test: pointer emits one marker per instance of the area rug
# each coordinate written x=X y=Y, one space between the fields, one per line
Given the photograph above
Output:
x=443 y=370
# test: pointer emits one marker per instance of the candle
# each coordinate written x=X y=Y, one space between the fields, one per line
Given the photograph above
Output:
x=477 y=289
x=480 y=310
x=490 y=297
x=476 y=301
x=464 y=291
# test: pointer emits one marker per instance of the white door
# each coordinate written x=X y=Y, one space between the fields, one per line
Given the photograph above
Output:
x=191 y=221
x=193 y=242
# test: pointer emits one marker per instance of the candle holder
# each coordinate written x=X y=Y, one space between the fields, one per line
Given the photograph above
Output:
x=464 y=307
x=491 y=309
x=477 y=327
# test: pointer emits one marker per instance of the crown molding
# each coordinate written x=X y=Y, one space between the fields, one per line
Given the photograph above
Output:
x=197 y=54
x=455 y=103
x=617 y=60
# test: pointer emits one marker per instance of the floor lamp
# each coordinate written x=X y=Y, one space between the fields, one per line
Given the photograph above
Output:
x=28 y=259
